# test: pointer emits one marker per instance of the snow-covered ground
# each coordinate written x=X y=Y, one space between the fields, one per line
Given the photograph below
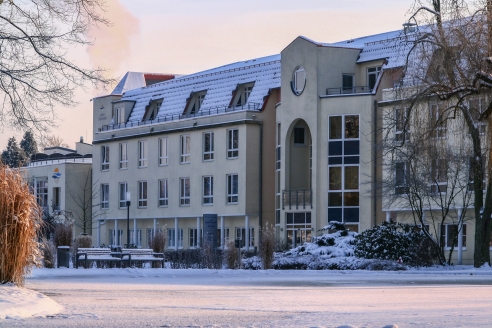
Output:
x=432 y=297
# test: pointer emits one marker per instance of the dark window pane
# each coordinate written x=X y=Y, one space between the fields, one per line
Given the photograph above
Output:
x=351 y=214
x=299 y=218
x=335 y=160
x=351 y=160
x=351 y=199
x=351 y=177
x=348 y=81
x=335 y=127
x=335 y=148
x=335 y=178
x=308 y=217
x=299 y=136
x=351 y=147
x=290 y=218
x=351 y=126
x=335 y=199
x=335 y=214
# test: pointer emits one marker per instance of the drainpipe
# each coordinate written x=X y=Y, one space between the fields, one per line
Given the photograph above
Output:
x=260 y=194
x=375 y=164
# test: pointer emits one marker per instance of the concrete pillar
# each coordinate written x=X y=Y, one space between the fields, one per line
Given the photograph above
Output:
x=460 y=237
x=388 y=216
x=134 y=232
x=116 y=234
x=198 y=234
x=98 y=233
x=222 y=232
x=246 y=224
x=176 y=235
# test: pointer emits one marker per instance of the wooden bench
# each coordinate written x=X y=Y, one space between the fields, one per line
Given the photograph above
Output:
x=87 y=255
x=141 y=255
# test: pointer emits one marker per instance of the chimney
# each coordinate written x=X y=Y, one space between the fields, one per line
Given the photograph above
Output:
x=81 y=139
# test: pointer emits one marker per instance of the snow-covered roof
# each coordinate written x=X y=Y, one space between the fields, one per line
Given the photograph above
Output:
x=219 y=82
x=135 y=80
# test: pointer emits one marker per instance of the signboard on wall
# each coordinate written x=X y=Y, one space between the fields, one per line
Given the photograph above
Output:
x=210 y=230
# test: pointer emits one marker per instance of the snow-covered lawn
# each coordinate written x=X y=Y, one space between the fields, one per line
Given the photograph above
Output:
x=431 y=297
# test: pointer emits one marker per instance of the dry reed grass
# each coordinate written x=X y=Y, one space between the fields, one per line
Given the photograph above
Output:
x=48 y=251
x=231 y=256
x=20 y=221
x=63 y=234
x=158 y=243
x=267 y=247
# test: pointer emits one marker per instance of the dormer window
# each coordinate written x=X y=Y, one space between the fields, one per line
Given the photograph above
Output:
x=195 y=102
x=372 y=76
x=152 y=110
x=242 y=94
x=119 y=115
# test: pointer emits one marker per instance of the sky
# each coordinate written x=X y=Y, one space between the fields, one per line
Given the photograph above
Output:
x=187 y=36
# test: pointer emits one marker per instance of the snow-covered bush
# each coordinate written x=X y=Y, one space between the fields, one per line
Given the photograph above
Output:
x=391 y=241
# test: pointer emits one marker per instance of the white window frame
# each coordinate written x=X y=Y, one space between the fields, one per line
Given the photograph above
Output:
x=404 y=187
x=444 y=234
x=142 y=194
x=208 y=190
x=193 y=240
x=185 y=149
x=232 y=197
x=208 y=153
x=138 y=241
x=105 y=158
x=400 y=118
x=122 y=190
x=143 y=153
x=184 y=192
x=442 y=182
x=441 y=129
x=104 y=196
x=163 y=193
x=376 y=71
x=113 y=238
x=171 y=238
x=241 y=234
x=163 y=152
x=119 y=115
x=123 y=156
x=232 y=143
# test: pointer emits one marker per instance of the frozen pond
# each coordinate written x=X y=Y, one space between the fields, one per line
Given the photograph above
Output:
x=225 y=298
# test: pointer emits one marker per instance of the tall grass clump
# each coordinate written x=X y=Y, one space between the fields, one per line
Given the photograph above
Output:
x=48 y=252
x=231 y=256
x=158 y=243
x=20 y=221
x=63 y=234
x=267 y=246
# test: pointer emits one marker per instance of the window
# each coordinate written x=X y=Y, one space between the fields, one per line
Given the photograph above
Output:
x=163 y=159
x=439 y=175
x=104 y=158
x=343 y=168
x=171 y=237
x=104 y=196
x=438 y=120
x=119 y=115
x=184 y=191
x=232 y=188
x=298 y=82
x=449 y=235
x=56 y=198
x=401 y=124
x=348 y=83
x=298 y=227
x=143 y=153
x=232 y=143
x=152 y=110
x=138 y=241
x=241 y=235
x=195 y=102
x=242 y=94
x=185 y=149
x=163 y=196
x=115 y=237
x=471 y=167
x=226 y=237
x=372 y=76
x=194 y=238
x=123 y=155
x=123 y=189
x=42 y=192
x=476 y=107
x=402 y=178
x=142 y=194
x=208 y=146
x=299 y=136
x=208 y=190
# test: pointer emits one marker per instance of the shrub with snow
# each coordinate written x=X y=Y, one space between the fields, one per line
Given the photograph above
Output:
x=392 y=241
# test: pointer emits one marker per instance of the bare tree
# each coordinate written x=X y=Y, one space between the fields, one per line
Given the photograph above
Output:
x=35 y=74
x=86 y=200
x=450 y=59
x=48 y=141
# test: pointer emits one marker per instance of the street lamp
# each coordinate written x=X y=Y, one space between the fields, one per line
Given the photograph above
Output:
x=128 y=219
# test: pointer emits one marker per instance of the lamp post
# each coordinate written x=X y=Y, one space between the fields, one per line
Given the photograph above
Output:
x=128 y=219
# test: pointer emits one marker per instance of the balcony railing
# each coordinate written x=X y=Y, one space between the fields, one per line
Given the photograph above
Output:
x=177 y=116
x=348 y=90
x=297 y=198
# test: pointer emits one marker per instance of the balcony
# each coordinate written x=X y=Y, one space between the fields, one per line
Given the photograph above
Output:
x=348 y=90
x=297 y=197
